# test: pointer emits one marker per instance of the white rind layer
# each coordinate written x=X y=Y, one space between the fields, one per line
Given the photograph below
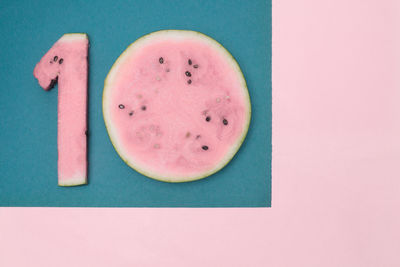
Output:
x=77 y=179
x=178 y=35
x=72 y=37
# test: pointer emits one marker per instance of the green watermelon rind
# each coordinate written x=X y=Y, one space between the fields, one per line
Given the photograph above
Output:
x=235 y=148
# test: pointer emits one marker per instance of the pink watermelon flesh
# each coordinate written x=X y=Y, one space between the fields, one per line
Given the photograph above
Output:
x=176 y=106
x=66 y=63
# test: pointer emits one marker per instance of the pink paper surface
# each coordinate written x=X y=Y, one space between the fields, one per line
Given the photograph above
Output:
x=335 y=183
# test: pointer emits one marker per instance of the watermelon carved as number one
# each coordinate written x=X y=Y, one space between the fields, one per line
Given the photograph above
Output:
x=66 y=63
x=176 y=106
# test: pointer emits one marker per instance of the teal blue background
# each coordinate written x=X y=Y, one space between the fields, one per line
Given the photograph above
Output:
x=28 y=120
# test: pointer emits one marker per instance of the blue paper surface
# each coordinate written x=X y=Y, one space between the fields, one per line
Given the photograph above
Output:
x=28 y=120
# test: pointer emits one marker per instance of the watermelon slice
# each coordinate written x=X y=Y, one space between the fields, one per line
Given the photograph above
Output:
x=176 y=106
x=66 y=63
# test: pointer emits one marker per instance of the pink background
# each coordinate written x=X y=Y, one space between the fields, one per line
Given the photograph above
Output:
x=336 y=174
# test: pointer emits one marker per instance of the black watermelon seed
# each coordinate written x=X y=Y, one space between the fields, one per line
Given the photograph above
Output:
x=161 y=60
x=60 y=61
x=208 y=118
x=188 y=74
x=195 y=66
x=52 y=83
x=204 y=147
x=131 y=113
x=55 y=58
x=120 y=105
x=190 y=61
x=198 y=136
x=225 y=121
x=143 y=107
x=189 y=81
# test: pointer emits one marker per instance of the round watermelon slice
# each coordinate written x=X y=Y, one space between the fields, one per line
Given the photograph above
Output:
x=176 y=106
